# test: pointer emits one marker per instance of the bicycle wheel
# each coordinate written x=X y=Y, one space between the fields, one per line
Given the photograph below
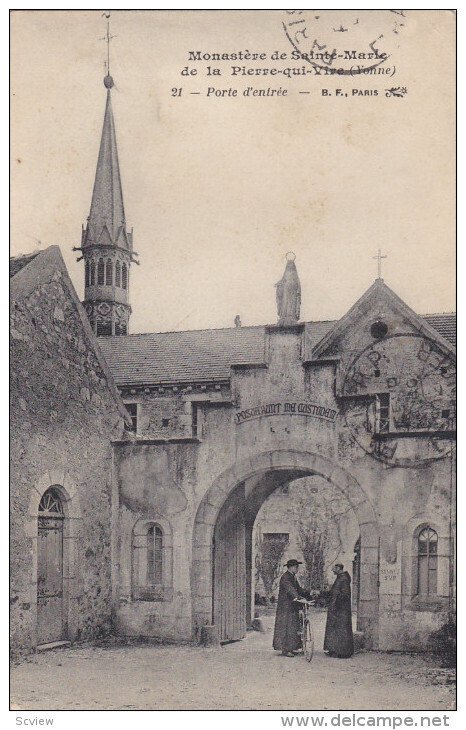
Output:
x=308 y=641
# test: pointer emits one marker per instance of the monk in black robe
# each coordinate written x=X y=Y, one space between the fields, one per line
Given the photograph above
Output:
x=286 y=637
x=338 y=641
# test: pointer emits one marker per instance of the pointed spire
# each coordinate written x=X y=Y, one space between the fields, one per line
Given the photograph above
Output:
x=106 y=245
x=106 y=223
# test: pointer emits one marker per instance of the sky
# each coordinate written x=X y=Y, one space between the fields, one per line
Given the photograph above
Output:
x=219 y=189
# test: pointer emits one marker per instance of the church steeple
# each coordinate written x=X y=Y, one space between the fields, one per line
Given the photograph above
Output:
x=106 y=222
x=106 y=244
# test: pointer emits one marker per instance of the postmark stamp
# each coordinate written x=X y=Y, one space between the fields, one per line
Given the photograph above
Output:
x=400 y=391
x=345 y=42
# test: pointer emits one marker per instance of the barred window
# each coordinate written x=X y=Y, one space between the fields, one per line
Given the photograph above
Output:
x=154 y=555
x=100 y=272
x=109 y=272
x=152 y=561
x=117 y=274
x=427 y=560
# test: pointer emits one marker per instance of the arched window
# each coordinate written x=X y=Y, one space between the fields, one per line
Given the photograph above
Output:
x=92 y=279
x=124 y=277
x=109 y=272
x=117 y=274
x=100 y=272
x=427 y=560
x=154 y=556
x=152 y=561
x=88 y=273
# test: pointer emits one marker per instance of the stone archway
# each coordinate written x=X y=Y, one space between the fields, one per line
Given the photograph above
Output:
x=299 y=464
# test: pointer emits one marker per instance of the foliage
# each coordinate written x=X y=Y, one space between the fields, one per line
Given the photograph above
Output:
x=313 y=540
x=269 y=555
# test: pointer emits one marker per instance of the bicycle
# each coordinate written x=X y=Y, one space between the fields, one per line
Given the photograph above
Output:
x=307 y=637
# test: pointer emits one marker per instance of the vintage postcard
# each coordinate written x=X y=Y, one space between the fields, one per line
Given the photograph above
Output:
x=233 y=369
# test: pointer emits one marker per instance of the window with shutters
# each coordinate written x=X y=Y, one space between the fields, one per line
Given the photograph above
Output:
x=427 y=562
x=124 y=276
x=92 y=277
x=88 y=273
x=117 y=274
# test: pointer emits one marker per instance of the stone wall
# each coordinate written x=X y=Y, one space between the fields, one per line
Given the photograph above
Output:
x=64 y=413
x=165 y=412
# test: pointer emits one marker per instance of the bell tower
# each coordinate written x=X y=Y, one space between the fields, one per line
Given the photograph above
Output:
x=106 y=244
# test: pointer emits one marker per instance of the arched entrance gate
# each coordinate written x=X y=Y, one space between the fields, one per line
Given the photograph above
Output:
x=226 y=516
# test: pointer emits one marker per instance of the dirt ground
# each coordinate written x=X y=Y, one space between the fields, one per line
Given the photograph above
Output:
x=246 y=675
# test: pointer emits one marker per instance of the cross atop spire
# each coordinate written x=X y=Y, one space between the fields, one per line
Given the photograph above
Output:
x=379 y=258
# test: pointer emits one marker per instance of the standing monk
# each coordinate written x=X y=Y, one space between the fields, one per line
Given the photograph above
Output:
x=338 y=640
x=286 y=636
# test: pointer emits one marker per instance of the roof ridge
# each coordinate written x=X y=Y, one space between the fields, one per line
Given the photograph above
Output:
x=212 y=329
x=26 y=255
x=438 y=314
x=247 y=327
x=179 y=332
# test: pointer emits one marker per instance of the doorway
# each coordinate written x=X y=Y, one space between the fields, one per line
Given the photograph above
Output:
x=50 y=614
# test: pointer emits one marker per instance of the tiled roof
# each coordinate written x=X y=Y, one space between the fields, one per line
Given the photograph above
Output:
x=204 y=355
x=19 y=262
x=198 y=355
x=444 y=323
x=314 y=333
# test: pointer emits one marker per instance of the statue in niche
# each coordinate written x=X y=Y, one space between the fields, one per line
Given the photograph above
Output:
x=289 y=293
